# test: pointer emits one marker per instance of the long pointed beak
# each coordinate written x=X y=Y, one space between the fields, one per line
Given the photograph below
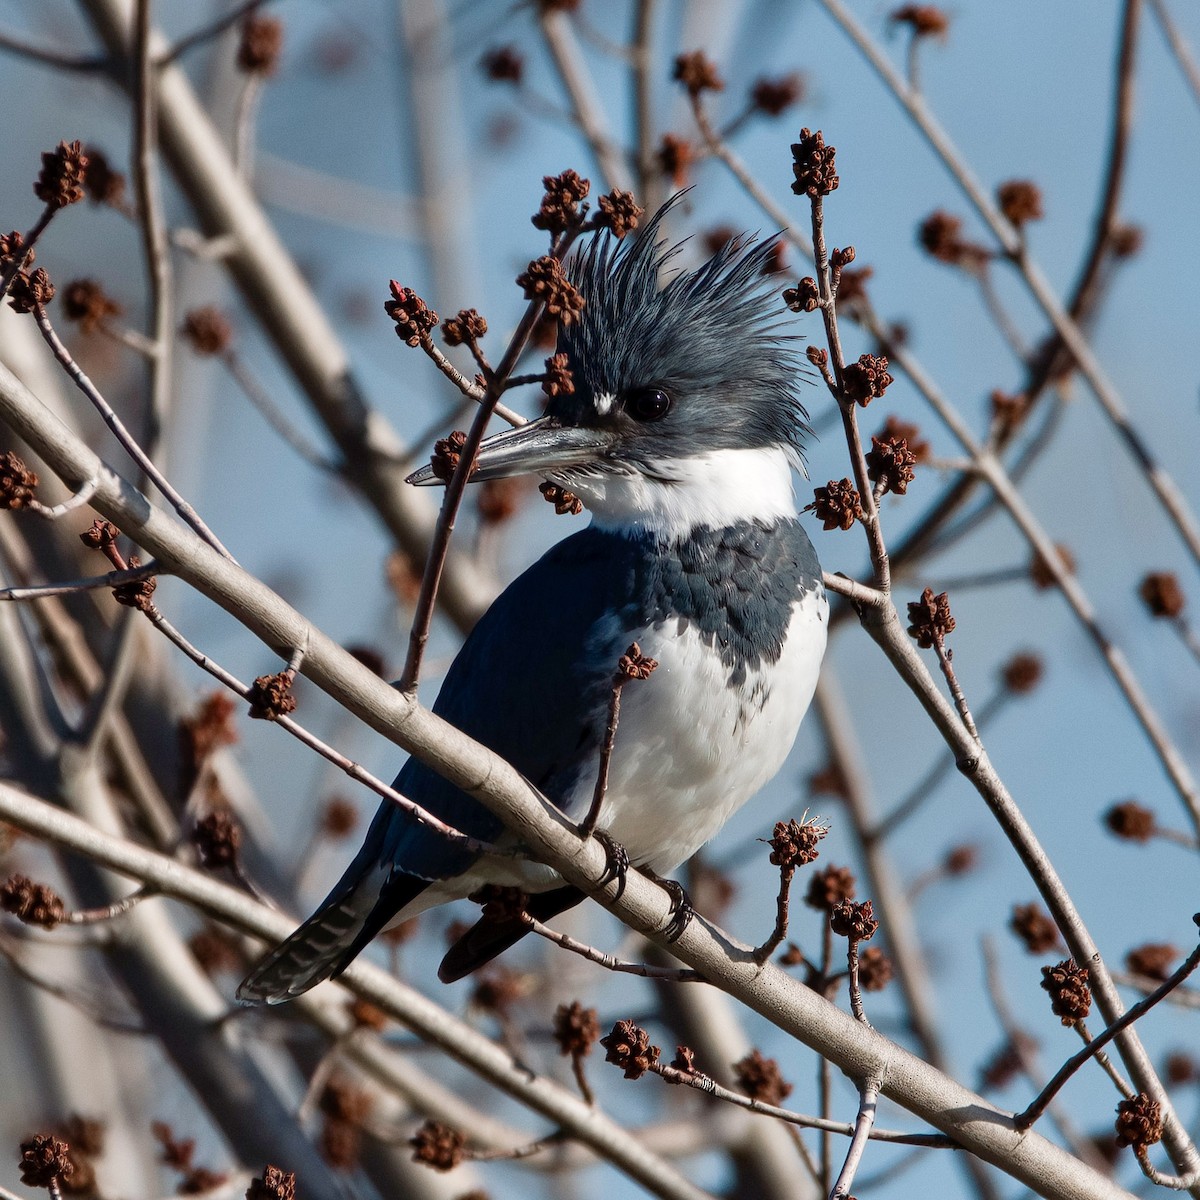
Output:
x=542 y=447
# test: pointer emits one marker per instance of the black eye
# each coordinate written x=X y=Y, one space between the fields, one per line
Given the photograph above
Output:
x=648 y=404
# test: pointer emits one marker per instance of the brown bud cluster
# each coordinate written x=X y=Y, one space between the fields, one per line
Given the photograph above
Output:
x=100 y=535
x=759 y=1077
x=272 y=1184
x=852 y=285
x=894 y=427
x=628 y=1047
x=1155 y=960
x=1033 y=925
x=214 y=950
x=804 y=297
x=837 y=505
x=217 y=838
x=496 y=500
x=207 y=330
x=414 y=318
x=30 y=290
x=853 y=920
x=1041 y=574
x=875 y=969
x=925 y=20
x=1070 y=995
x=138 y=593
x=60 y=181
x=260 y=46
x=829 y=780
x=634 y=664
x=467 y=327
x=828 y=888
x=271 y=696
x=45 y=1159
x=891 y=464
x=503 y=64
x=576 y=1029
x=497 y=990
x=618 y=212
x=559 y=210
x=685 y=1061
x=940 y=234
x=867 y=379
x=1006 y=1063
x=675 y=156
x=17 y=482
x=103 y=184
x=1020 y=201
x=794 y=845
x=12 y=248
x=1131 y=821
x=929 y=619
x=438 y=1146
x=559 y=380
x=698 y=73
x=32 y=903
x=564 y=502
x=1022 y=673
x=1139 y=1122
x=774 y=96
x=446 y=454
x=813 y=165
x=545 y=280
x=85 y=301
x=1162 y=595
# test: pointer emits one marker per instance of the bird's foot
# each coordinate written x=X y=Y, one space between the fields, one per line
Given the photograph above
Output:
x=617 y=860
x=682 y=911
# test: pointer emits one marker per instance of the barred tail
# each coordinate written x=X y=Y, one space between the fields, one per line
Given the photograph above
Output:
x=326 y=944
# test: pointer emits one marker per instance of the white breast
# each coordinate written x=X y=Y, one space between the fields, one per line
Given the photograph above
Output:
x=690 y=750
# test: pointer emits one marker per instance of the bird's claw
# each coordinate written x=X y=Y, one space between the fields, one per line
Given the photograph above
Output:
x=616 y=865
x=682 y=911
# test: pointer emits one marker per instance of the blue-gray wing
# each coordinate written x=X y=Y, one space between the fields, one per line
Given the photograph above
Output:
x=532 y=683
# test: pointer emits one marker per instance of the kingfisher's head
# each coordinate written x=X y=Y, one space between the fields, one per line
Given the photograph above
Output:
x=685 y=408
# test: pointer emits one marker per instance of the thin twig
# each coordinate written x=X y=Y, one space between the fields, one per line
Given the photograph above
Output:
x=152 y=224
x=710 y=1087
x=642 y=70
x=868 y=1102
x=1179 y=47
x=1096 y=1044
x=585 y=103
x=273 y=414
x=608 y=961
x=439 y=543
x=945 y=658
x=992 y=471
x=78 y=500
x=606 y=750
x=1170 y=496
x=243 y=123
x=89 y=1006
x=107 y=912
x=82 y=63
x=848 y=408
x=207 y=32
x=339 y=760
x=14 y=265
x=111 y=580
x=122 y=434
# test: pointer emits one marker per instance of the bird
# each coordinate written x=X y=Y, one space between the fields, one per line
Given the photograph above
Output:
x=680 y=436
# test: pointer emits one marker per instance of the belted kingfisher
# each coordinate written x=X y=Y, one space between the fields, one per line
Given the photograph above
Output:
x=680 y=437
